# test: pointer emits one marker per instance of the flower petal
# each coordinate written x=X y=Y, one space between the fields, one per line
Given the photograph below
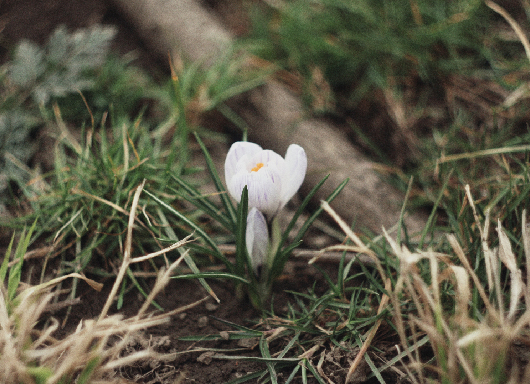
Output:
x=268 y=157
x=236 y=152
x=272 y=180
x=296 y=166
x=264 y=188
x=257 y=239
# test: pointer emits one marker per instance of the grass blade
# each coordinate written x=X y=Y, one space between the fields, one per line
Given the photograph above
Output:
x=313 y=217
x=227 y=203
x=216 y=252
x=16 y=271
x=212 y=275
x=282 y=256
x=264 y=348
x=300 y=209
x=5 y=263
x=434 y=209
x=187 y=259
x=139 y=288
x=311 y=369
x=242 y=256
x=203 y=203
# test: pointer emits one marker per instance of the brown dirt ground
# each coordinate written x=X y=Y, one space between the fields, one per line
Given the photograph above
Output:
x=35 y=20
x=203 y=320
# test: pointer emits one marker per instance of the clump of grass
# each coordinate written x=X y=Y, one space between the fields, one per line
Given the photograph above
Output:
x=469 y=304
x=413 y=79
x=473 y=322
x=346 y=51
x=321 y=336
x=431 y=301
x=30 y=354
x=106 y=150
x=346 y=38
x=82 y=205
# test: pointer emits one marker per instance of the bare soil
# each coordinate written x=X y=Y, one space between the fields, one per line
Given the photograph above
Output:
x=195 y=361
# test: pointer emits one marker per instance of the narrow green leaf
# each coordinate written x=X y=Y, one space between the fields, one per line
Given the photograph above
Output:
x=259 y=359
x=238 y=89
x=90 y=368
x=242 y=257
x=401 y=356
x=121 y=295
x=229 y=207
x=211 y=275
x=264 y=348
x=434 y=210
x=279 y=261
x=313 y=217
x=338 y=288
x=234 y=118
x=293 y=374
x=400 y=226
x=370 y=363
x=5 y=263
x=40 y=375
x=315 y=373
x=239 y=327
x=281 y=258
x=200 y=249
x=203 y=203
x=216 y=252
x=290 y=344
x=16 y=271
x=300 y=209
x=187 y=259
x=140 y=289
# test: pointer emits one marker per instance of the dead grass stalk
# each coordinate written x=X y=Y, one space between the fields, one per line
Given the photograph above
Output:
x=91 y=354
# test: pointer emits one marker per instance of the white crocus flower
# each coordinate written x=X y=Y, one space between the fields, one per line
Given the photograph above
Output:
x=271 y=180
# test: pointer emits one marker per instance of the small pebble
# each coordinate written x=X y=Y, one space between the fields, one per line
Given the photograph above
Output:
x=163 y=341
x=206 y=357
x=202 y=322
x=248 y=343
x=211 y=307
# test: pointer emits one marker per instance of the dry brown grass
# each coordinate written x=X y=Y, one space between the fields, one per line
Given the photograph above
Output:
x=478 y=334
x=467 y=347
x=95 y=351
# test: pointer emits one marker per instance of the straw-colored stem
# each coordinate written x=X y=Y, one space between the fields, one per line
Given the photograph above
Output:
x=371 y=334
x=126 y=253
x=515 y=26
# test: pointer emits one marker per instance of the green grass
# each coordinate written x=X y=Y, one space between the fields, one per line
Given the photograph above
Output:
x=108 y=139
x=413 y=79
x=447 y=305
x=363 y=46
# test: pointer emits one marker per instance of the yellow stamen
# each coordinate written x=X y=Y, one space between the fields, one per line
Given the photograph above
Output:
x=257 y=167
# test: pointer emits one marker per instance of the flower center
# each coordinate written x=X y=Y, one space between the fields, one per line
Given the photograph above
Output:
x=257 y=167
